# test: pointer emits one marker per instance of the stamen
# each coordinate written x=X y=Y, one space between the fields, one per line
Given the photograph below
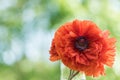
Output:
x=81 y=43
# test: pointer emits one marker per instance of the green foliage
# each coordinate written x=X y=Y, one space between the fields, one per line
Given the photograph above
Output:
x=26 y=70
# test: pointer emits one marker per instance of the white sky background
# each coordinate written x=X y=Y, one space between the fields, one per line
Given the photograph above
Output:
x=37 y=42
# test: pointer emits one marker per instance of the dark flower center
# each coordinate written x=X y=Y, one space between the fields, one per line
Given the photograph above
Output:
x=81 y=43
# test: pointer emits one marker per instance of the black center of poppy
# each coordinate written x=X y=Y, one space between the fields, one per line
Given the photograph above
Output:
x=81 y=43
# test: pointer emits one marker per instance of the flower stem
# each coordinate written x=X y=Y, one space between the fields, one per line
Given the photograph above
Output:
x=72 y=74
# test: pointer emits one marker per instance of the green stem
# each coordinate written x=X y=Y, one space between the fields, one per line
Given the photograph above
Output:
x=72 y=74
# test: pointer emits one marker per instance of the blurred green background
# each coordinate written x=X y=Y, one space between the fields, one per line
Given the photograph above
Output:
x=27 y=28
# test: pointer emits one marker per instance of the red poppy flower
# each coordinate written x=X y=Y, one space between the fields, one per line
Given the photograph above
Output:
x=82 y=46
